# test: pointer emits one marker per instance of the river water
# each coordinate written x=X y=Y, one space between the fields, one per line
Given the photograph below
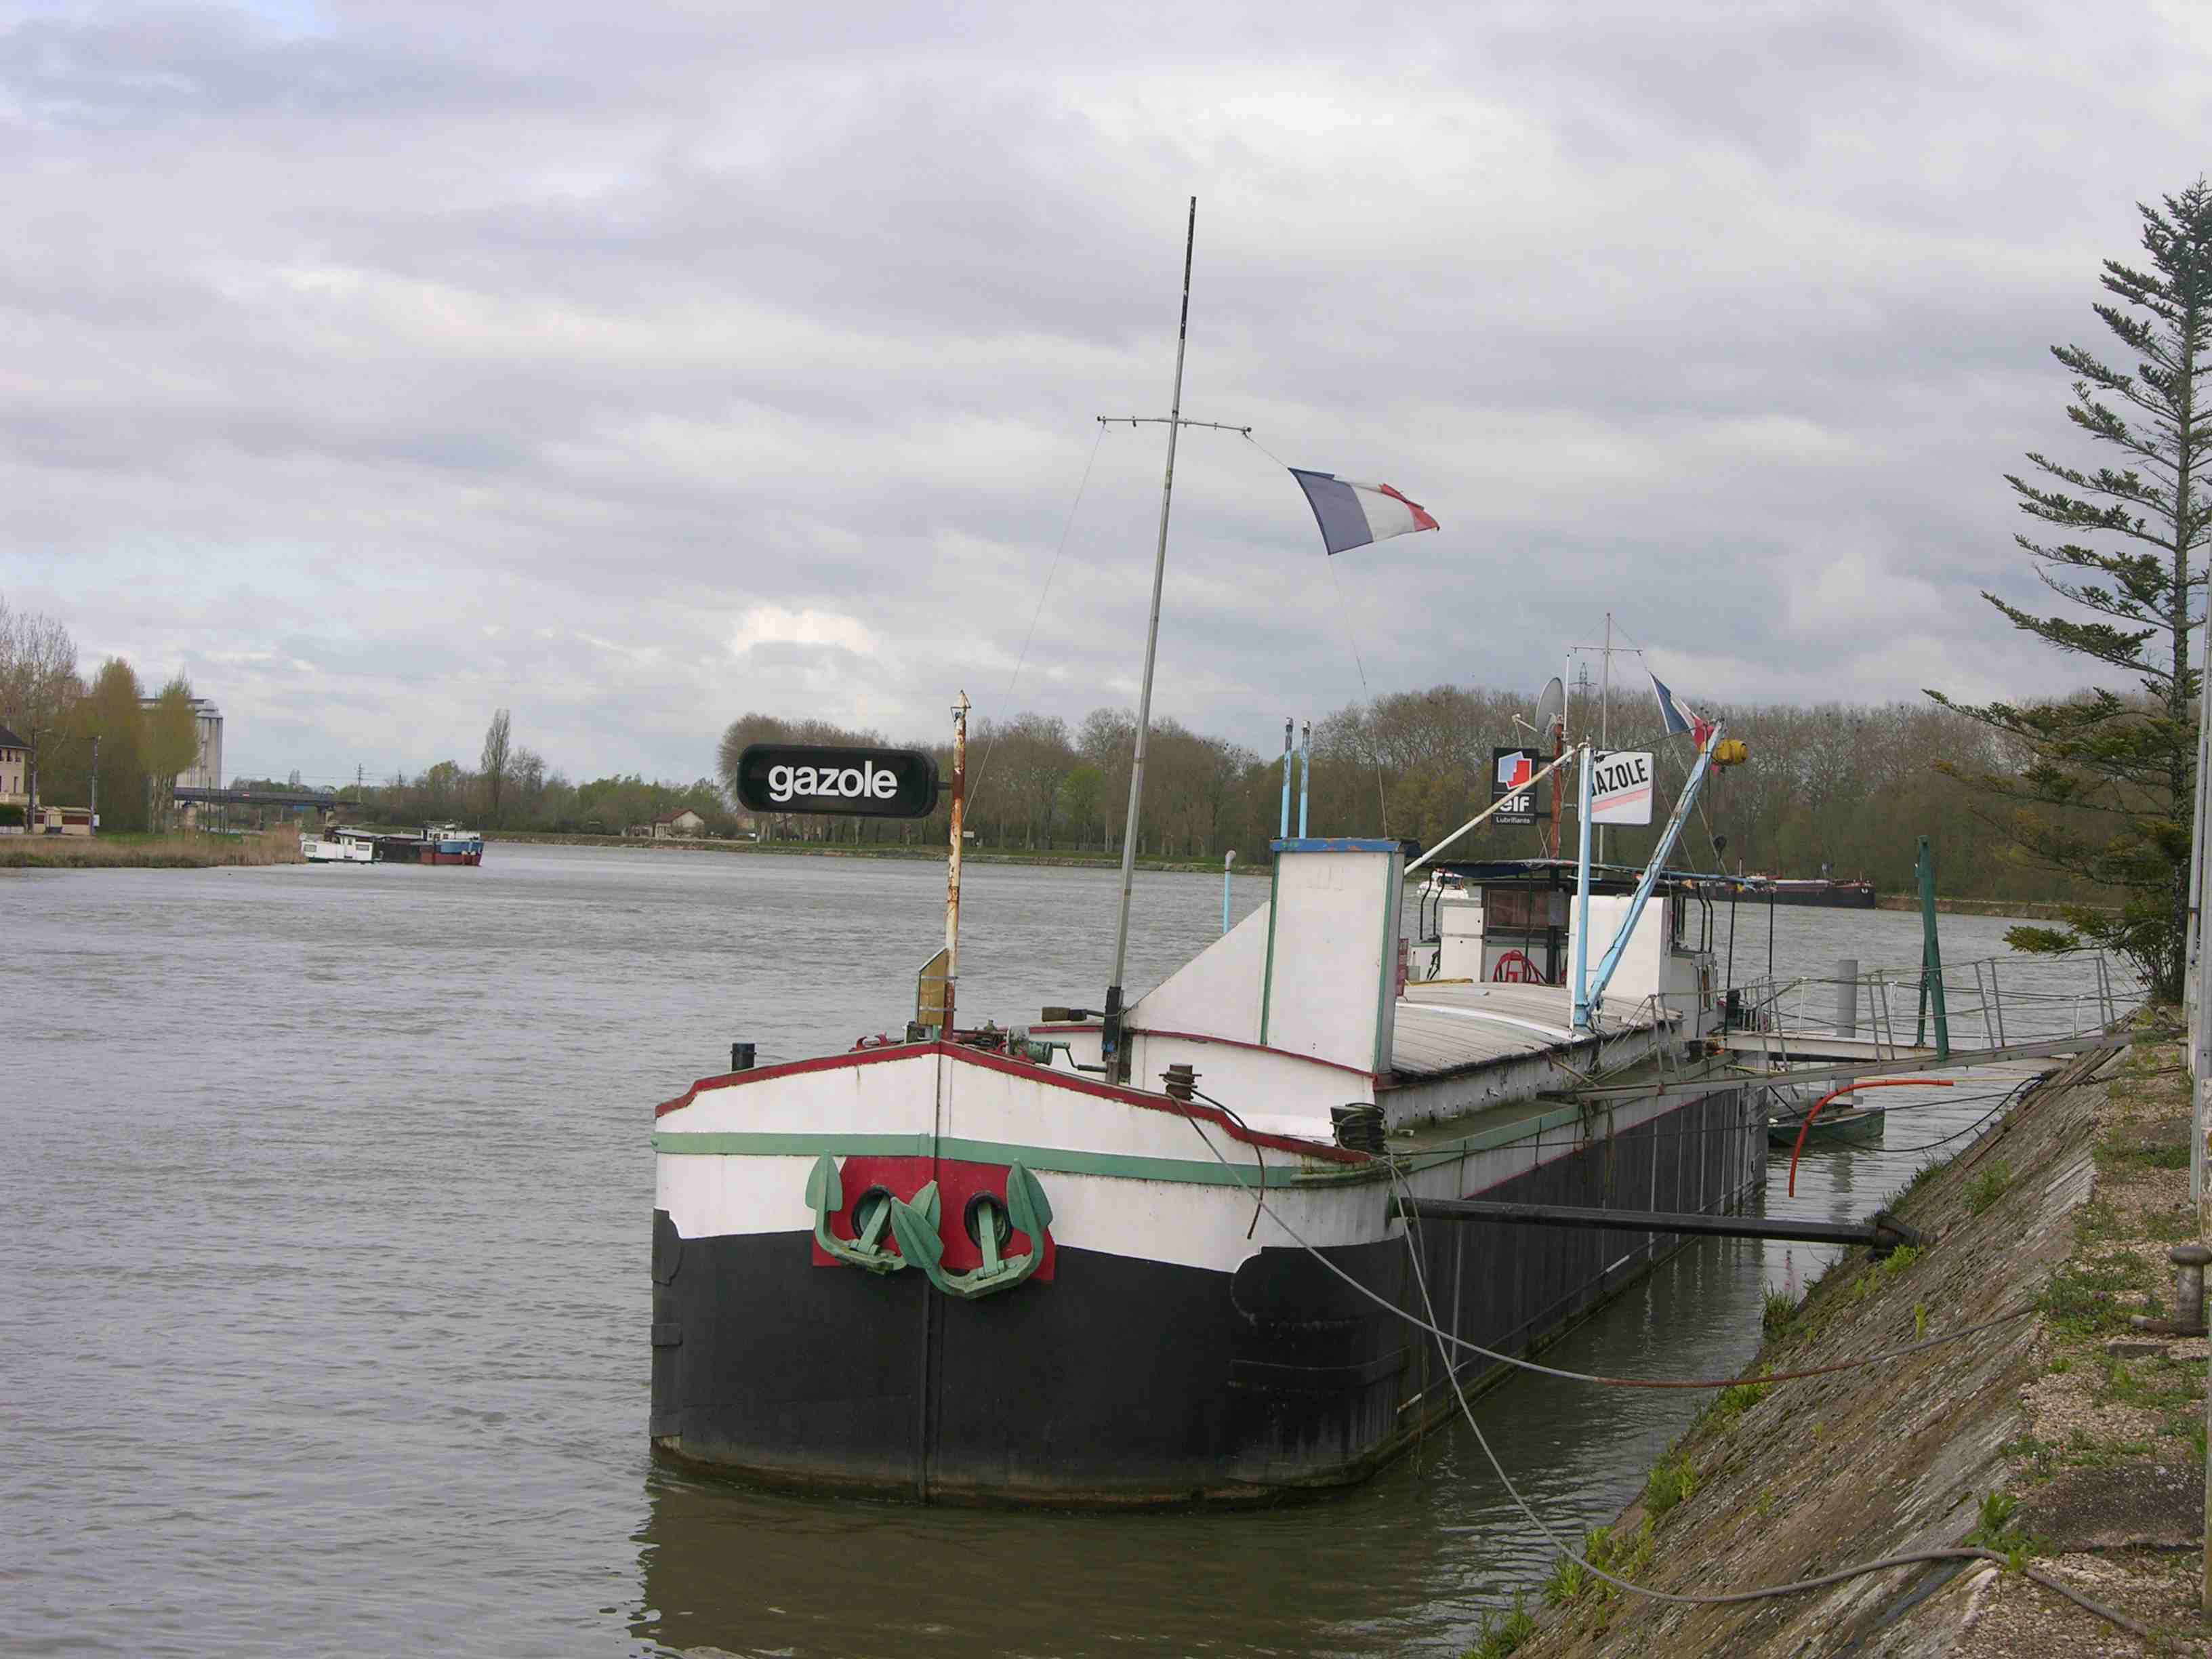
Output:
x=327 y=1201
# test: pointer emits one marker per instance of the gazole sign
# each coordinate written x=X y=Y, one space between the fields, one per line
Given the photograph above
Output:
x=858 y=783
x=1620 y=786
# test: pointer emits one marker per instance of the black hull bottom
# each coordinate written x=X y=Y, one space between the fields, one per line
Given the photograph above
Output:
x=1129 y=1382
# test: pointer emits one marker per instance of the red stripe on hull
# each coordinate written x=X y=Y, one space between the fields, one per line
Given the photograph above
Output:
x=1082 y=1085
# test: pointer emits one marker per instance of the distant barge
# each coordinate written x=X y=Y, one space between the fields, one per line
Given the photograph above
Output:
x=1828 y=895
x=438 y=843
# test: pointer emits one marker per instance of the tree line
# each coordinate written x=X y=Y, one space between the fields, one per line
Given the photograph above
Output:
x=512 y=788
x=102 y=741
x=1840 y=786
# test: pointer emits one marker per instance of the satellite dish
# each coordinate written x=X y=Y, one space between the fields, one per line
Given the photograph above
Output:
x=1552 y=708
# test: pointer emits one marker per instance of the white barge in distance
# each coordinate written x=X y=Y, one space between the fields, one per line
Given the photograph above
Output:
x=984 y=1268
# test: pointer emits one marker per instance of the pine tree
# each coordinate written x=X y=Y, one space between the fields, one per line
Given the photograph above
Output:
x=2107 y=790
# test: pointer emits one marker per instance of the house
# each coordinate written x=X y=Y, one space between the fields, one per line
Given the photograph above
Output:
x=14 y=768
x=686 y=826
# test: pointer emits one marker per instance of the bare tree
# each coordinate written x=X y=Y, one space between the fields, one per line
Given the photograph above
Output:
x=39 y=682
x=525 y=773
x=1032 y=756
x=498 y=743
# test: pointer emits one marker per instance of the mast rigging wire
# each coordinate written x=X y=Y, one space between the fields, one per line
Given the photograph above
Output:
x=1061 y=547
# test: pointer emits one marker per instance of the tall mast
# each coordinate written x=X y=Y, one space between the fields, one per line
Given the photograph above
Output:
x=1111 y=1051
x=952 y=867
x=1604 y=711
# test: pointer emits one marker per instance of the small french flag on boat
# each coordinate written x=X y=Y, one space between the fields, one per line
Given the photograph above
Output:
x=1353 y=514
x=1678 y=718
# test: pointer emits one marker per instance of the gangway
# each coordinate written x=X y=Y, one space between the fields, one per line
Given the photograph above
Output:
x=1689 y=1088
x=2013 y=1005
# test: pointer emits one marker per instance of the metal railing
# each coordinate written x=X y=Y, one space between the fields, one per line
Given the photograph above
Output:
x=1660 y=1025
x=1990 y=1003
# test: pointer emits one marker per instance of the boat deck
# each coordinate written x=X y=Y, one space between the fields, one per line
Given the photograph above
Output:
x=1472 y=1131
x=1444 y=1027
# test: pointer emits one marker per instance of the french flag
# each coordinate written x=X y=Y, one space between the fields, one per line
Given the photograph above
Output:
x=1353 y=514
x=1678 y=718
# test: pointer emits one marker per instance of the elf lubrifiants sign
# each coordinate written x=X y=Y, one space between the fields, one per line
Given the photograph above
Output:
x=865 y=783
x=1512 y=777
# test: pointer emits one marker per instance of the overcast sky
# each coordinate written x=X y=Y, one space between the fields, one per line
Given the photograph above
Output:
x=633 y=367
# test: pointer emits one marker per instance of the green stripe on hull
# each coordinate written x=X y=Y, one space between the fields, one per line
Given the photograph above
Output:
x=1057 y=1159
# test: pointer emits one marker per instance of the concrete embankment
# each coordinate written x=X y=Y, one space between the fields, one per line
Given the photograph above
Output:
x=2062 y=1440
x=2025 y=909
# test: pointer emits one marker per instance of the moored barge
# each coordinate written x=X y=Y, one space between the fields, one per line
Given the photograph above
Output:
x=983 y=1267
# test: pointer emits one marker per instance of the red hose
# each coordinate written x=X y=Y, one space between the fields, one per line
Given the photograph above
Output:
x=1852 y=1089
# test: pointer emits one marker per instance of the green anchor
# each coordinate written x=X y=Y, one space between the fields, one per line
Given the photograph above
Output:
x=1028 y=1211
x=826 y=1191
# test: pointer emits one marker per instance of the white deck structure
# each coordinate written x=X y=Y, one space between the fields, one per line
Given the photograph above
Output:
x=1303 y=1007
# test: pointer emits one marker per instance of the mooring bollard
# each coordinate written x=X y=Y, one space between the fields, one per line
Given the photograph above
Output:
x=2189 y=1263
x=1847 y=997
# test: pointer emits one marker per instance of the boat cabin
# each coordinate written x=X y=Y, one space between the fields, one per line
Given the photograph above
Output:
x=1512 y=921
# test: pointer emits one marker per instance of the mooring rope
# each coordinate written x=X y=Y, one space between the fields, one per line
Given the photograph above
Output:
x=1725 y=1598
x=1517 y=1363
x=1797 y=1587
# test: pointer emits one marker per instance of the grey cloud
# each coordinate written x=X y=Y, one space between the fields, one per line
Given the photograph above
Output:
x=372 y=334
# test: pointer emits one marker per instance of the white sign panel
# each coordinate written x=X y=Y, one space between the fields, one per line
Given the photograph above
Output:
x=1620 y=788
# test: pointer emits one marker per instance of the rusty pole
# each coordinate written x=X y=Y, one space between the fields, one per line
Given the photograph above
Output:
x=952 y=870
x=1558 y=748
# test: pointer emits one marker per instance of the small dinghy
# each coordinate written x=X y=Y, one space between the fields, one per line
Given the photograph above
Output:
x=1841 y=1123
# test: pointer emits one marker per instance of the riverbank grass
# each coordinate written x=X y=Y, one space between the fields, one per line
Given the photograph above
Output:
x=179 y=850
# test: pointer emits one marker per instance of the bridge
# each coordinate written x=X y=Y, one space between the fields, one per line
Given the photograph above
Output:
x=284 y=799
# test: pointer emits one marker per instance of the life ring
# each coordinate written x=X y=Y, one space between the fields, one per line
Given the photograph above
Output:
x=1514 y=968
x=881 y=1040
